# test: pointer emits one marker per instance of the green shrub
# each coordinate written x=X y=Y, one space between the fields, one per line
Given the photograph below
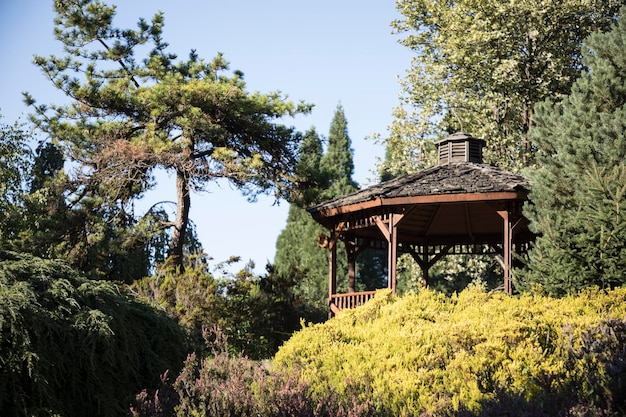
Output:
x=475 y=353
x=258 y=314
x=74 y=347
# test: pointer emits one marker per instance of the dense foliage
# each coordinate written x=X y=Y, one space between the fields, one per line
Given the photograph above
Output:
x=15 y=159
x=38 y=218
x=296 y=245
x=480 y=66
x=257 y=314
x=73 y=347
x=579 y=190
x=476 y=353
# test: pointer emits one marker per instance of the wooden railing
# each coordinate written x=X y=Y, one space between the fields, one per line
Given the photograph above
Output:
x=339 y=302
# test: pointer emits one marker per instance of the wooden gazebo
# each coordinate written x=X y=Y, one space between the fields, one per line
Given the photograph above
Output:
x=460 y=206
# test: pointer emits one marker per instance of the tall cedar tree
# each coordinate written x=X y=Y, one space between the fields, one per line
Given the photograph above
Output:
x=329 y=175
x=129 y=117
x=337 y=165
x=579 y=191
x=480 y=66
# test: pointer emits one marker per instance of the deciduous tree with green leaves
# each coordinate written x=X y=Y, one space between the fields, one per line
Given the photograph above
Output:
x=480 y=66
x=579 y=190
x=128 y=117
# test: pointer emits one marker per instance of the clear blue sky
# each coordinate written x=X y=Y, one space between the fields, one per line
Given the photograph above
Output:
x=326 y=52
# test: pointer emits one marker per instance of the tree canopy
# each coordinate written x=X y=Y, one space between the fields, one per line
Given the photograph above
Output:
x=129 y=116
x=480 y=66
x=15 y=160
x=329 y=175
x=72 y=346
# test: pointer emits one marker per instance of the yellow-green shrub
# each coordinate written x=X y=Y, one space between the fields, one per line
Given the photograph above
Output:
x=428 y=354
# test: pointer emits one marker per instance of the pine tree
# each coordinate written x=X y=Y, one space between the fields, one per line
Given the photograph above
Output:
x=130 y=117
x=579 y=191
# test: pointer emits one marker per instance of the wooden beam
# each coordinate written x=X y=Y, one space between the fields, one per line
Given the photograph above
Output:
x=390 y=232
x=422 y=199
x=393 y=251
x=425 y=262
x=432 y=219
x=384 y=229
x=396 y=218
x=437 y=257
x=468 y=220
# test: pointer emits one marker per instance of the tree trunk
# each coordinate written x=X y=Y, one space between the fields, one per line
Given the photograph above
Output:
x=182 y=219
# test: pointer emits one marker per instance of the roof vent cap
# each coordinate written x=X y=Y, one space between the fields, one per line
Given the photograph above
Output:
x=460 y=147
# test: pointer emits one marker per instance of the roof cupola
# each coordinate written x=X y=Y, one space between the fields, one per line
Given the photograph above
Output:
x=460 y=147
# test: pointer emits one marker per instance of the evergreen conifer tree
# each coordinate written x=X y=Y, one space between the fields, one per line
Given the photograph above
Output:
x=326 y=175
x=15 y=159
x=130 y=117
x=337 y=165
x=579 y=191
x=296 y=246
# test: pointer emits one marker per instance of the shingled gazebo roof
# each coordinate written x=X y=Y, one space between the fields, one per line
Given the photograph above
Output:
x=442 y=180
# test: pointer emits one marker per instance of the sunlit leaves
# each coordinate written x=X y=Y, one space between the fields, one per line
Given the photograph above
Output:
x=476 y=352
x=480 y=66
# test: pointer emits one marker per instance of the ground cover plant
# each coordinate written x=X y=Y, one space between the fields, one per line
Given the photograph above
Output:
x=477 y=353
x=226 y=385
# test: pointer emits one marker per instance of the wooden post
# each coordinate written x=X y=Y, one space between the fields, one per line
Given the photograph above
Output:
x=507 y=249
x=425 y=266
x=351 y=253
x=332 y=265
x=390 y=231
x=392 y=254
x=424 y=260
